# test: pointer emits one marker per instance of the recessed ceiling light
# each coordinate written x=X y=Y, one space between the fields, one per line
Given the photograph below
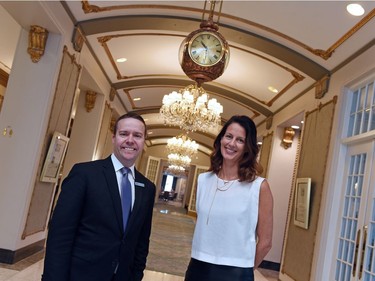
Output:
x=355 y=9
x=136 y=99
x=150 y=132
x=259 y=143
x=295 y=127
x=122 y=60
x=302 y=122
x=273 y=89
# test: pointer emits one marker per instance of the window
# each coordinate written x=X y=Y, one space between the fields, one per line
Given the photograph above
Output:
x=362 y=110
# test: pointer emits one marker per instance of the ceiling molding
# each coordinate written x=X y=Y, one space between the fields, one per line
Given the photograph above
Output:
x=178 y=24
x=129 y=84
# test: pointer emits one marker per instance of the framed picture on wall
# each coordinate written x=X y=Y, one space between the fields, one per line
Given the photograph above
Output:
x=302 y=202
x=55 y=157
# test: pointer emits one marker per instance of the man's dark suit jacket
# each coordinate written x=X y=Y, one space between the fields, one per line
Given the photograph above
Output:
x=86 y=240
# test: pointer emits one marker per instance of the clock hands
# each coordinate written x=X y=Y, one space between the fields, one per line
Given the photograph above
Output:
x=204 y=45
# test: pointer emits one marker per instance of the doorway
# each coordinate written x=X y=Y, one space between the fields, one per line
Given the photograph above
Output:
x=173 y=189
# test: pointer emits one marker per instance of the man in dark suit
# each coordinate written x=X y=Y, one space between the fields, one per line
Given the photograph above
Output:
x=87 y=239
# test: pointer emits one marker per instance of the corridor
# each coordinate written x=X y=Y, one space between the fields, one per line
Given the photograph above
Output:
x=168 y=257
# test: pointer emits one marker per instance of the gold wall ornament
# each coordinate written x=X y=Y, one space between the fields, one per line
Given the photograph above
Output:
x=90 y=100
x=288 y=137
x=321 y=87
x=37 y=42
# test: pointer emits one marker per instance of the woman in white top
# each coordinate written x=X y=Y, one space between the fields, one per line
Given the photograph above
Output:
x=233 y=232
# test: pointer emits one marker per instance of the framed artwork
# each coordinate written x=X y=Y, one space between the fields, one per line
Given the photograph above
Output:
x=302 y=202
x=55 y=157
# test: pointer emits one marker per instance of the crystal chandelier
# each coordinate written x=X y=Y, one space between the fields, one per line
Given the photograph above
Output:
x=176 y=170
x=179 y=160
x=191 y=109
x=182 y=145
x=180 y=151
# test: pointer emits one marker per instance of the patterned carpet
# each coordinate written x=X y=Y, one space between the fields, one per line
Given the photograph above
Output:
x=170 y=246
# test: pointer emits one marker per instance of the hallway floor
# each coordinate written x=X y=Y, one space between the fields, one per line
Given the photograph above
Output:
x=30 y=269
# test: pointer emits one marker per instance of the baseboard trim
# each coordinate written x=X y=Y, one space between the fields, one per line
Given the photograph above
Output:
x=270 y=265
x=11 y=257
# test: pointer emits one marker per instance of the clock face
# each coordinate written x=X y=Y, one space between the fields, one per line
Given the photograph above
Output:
x=206 y=49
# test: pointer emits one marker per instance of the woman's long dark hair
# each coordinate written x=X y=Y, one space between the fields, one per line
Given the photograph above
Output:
x=248 y=165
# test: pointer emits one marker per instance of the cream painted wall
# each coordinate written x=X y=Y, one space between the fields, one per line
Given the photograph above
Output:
x=9 y=30
x=32 y=98
x=85 y=131
x=280 y=176
x=20 y=153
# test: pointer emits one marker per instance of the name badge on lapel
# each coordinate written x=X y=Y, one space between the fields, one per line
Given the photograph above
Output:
x=141 y=184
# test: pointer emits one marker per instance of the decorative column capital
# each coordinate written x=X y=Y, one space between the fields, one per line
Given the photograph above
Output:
x=112 y=94
x=37 y=42
x=90 y=100
x=78 y=39
x=321 y=87
x=269 y=122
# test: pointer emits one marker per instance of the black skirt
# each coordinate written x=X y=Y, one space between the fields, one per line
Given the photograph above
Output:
x=203 y=271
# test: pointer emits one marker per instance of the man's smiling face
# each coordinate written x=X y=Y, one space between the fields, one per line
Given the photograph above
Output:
x=129 y=140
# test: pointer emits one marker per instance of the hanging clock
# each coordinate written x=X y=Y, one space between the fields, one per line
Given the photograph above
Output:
x=204 y=53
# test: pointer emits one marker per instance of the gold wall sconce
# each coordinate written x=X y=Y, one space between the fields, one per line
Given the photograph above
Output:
x=90 y=100
x=37 y=42
x=288 y=137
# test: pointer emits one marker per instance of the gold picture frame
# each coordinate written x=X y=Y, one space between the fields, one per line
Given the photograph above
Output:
x=55 y=157
x=302 y=202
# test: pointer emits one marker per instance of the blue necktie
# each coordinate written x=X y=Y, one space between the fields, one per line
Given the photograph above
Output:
x=126 y=196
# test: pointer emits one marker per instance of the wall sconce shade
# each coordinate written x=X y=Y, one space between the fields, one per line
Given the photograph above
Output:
x=288 y=137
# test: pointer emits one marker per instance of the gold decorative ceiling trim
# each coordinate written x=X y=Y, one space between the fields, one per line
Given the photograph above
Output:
x=180 y=25
x=213 y=88
x=104 y=39
x=88 y=8
x=167 y=136
x=297 y=77
x=210 y=93
x=347 y=35
x=225 y=97
x=325 y=54
x=152 y=144
x=170 y=128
